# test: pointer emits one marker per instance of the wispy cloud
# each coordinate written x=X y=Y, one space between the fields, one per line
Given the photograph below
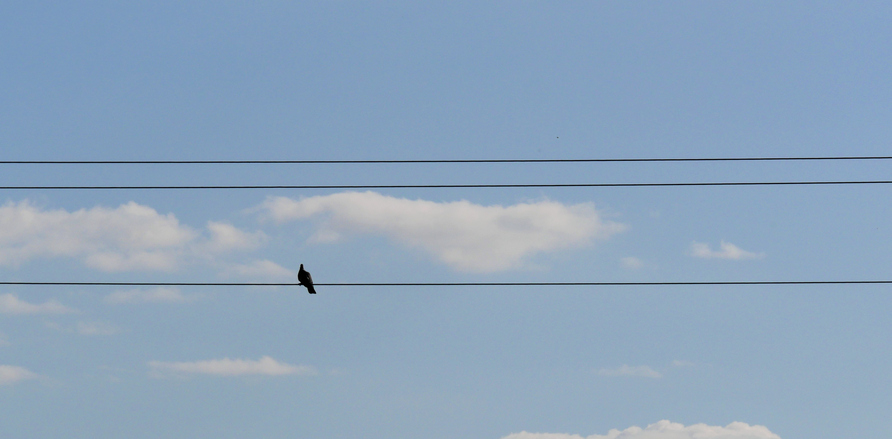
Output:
x=153 y=295
x=630 y=371
x=726 y=251
x=10 y=304
x=230 y=367
x=667 y=430
x=465 y=236
x=96 y=328
x=262 y=268
x=631 y=262
x=84 y=328
x=13 y=374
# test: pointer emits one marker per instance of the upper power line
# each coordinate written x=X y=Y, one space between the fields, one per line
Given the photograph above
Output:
x=318 y=162
x=460 y=186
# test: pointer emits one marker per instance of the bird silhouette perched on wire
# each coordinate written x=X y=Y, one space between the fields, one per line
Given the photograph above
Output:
x=304 y=278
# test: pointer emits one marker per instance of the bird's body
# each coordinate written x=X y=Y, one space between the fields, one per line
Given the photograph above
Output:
x=304 y=278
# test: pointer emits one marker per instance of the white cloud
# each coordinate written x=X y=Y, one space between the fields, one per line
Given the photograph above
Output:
x=10 y=304
x=14 y=374
x=727 y=251
x=154 y=295
x=226 y=367
x=84 y=328
x=683 y=363
x=463 y=235
x=129 y=237
x=666 y=430
x=262 y=268
x=632 y=262
x=632 y=371
x=225 y=237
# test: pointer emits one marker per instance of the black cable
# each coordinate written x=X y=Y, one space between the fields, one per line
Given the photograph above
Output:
x=315 y=162
x=453 y=284
x=454 y=186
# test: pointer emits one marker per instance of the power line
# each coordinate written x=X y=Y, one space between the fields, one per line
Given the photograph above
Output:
x=454 y=284
x=422 y=161
x=457 y=186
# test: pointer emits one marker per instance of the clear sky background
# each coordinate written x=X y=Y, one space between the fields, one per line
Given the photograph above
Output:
x=453 y=80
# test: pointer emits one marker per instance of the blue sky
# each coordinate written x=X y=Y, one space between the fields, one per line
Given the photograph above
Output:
x=453 y=80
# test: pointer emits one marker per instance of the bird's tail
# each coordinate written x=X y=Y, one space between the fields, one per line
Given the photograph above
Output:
x=311 y=289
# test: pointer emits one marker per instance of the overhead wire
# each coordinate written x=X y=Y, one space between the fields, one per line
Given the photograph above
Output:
x=451 y=284
x=446 y=161
x=421 y=161
x=454 y=186
x=457 y=186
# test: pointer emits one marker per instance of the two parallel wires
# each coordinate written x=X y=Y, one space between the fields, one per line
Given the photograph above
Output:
x=463 y=186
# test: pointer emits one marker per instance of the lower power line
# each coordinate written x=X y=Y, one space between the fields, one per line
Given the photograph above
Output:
x=451 y=284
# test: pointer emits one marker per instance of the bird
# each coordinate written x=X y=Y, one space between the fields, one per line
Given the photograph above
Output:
x=304 y=278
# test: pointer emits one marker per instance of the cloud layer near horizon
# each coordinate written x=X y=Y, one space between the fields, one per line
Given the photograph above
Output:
x=666 y=430
x=465 y=236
